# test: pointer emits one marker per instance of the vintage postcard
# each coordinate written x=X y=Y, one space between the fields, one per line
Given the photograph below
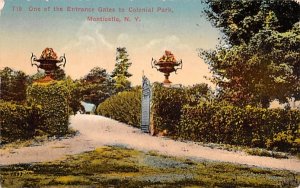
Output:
x=150 y=93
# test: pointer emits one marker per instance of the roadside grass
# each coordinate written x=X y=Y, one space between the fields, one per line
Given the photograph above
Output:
x=37 y=140
x=122 y=167
x=251 y=151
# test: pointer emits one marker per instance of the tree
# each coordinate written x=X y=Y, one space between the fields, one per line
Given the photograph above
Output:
x=96 y=86
x=261 y=63
x=13 y=85
x=120 y=74
x=240 y=20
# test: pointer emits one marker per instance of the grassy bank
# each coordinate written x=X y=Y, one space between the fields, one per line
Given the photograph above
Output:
x=121 y=167
x=38 y=140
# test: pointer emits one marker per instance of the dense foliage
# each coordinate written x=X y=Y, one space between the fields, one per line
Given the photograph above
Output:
x=54 y=98
x=75 y=95
x=96 y=86
x=13 y=85
x=124 y=106
x=241 y=20
x=193 y=114
x=31 y=109
x=166 y=107
x=168 y=102
x=259 y=58
x=120 y=73
x=18 y=122
x=250 y=126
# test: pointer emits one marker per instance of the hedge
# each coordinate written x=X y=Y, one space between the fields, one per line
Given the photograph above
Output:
x=167 y=103
x=17 y=121
x=275 y=129
x=124 y=106
x=166 y=107
x=53 y=98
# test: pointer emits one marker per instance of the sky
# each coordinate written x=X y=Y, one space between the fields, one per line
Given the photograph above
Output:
x=29 y=26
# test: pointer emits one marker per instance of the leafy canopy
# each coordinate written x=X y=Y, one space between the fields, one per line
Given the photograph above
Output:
x=13 y=85
x=96 y=86
x=260 y=59
x=240 y=20
x=120 y=73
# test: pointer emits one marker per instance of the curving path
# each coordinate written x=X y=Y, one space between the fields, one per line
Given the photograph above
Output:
x=96 y=131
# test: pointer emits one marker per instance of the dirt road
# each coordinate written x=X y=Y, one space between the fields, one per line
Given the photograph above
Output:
x=96 y=131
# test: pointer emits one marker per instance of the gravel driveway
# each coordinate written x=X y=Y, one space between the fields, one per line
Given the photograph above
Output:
x=96 y=131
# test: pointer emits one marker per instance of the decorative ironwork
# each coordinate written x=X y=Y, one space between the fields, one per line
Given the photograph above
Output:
x=166 y=65
x=48 y=62
x=146 y=99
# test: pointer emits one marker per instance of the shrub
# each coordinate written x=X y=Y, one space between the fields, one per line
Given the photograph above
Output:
x=53 y=98
x=124 y=106
x=167 y=103
x=166 y=107
x=256 y=127
x=18 y=121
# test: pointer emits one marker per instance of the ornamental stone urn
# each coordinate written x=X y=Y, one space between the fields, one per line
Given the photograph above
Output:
x=166 y=64
x=49 y=62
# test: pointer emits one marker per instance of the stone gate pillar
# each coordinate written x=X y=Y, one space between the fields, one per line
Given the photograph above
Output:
x=146 y=100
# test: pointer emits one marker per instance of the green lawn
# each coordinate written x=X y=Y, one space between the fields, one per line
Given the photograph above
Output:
x=121 y=167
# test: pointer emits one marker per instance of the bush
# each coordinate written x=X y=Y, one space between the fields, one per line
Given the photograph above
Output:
x=53 y=98
x=18 y=122
x=256 y=127
x=124 y=106
x=46 y=112
x=166 y=107
x=167 y=103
